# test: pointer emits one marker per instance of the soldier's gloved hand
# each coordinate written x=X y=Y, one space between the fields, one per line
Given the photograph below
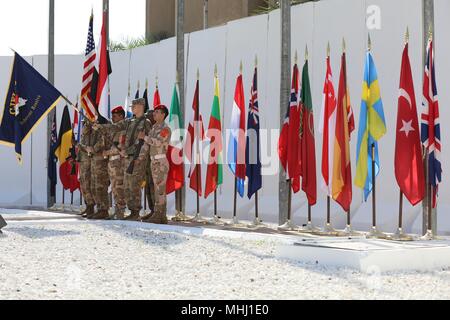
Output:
x=105 y=154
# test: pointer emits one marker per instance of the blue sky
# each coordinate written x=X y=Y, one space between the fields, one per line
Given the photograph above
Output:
x=24 y=24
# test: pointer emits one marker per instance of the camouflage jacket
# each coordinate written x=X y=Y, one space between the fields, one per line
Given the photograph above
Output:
x=90 y=138
x=158 y=139
x=131 y=128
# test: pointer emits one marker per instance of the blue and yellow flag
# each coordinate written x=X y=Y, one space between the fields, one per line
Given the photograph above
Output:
x=29 y=99
x=372 y=127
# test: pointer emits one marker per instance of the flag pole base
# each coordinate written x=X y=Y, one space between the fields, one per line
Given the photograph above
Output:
x=374 y=233
x=234 y=223
x=257 y=223
x=309 y=228
x=288 y=226
x=429 y=235
x=216 y=220
x=349 y=232
x=198 y=218
x=180 y=216
x=399 y=235
x=328 y=230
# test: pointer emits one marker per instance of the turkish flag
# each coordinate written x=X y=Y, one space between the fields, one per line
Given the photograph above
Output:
x=408 y=152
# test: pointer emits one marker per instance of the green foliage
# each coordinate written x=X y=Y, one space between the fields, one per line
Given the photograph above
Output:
x=270 y=5
x=131 y=43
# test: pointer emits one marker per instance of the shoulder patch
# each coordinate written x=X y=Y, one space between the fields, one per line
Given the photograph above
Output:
x=164 y=132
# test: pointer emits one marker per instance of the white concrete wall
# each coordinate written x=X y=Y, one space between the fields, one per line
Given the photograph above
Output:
x=313 y=24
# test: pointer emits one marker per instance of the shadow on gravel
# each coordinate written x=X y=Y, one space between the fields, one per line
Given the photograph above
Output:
x=147 y=236
x=38 y=233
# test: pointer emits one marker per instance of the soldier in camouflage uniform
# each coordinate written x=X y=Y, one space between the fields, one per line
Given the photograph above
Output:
x=116 y=162
x=84 y=157
x=135 y=152
x=158 y=140
x=149 y=185
x=100 y=175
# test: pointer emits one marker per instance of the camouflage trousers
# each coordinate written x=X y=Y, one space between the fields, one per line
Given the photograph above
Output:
x=160 y=170
x=86 y=182
x=149 y=187
x=116 y=172
x=133 y=184
x=101 y=182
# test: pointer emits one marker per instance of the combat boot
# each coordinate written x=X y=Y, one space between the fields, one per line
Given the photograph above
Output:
x=158 y=217
x=134 y=216
x=89 y=212
x=100 y=215
x=120 y=214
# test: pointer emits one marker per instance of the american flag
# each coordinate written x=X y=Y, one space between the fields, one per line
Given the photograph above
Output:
x=430 y=127
x=87 y=102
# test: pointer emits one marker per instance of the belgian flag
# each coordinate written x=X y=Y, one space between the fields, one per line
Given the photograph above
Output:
x=64 y=153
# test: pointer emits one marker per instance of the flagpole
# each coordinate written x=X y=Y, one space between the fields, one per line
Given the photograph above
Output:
x=62 y=206
x=51 y=200
x=374 y=232
x=289 y=225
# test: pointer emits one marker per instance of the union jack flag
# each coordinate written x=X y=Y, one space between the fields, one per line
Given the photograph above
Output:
x=430 y=127
x=87 y=97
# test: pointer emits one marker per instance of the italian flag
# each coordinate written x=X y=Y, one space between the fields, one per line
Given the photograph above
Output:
x=175 y=178
x=214 y=174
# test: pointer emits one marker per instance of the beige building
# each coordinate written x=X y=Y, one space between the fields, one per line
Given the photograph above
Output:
x=161 y=14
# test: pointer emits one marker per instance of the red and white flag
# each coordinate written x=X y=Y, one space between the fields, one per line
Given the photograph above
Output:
x=195 y=136
x=408 y=152
x=327 y=128
x=102 y=66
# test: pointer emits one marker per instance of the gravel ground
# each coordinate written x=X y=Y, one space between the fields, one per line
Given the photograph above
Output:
x=115 y=261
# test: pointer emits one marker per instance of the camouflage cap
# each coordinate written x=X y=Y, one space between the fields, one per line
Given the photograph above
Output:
x=140 y=101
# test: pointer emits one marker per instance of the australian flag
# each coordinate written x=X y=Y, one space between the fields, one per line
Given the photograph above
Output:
x=29 y=99
x=252 y=150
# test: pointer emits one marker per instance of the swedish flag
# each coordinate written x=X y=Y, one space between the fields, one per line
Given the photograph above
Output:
x=29 y=99
x=372 y=127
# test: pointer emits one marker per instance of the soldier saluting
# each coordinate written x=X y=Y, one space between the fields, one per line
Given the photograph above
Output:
x=135 y=153
x=158 y=140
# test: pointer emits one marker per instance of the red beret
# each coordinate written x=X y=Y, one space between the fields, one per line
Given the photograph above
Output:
x=161 y=107
x=117 y=109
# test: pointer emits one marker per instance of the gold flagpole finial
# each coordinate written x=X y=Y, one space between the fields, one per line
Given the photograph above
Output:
x=430 y=32
x=129 y=87
x=139 y=84
x=156 y=80
x=177 y=77
x=306 y=53
x=198 y=74
x=92 y=11
x=328 y=49
x=343 y=44
x=240 y=67
x=296 y=57
x=215 y=70
x=407 y=35
x=78 y=97
x=146 y=83
x=369 y=42
x=256 y=60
